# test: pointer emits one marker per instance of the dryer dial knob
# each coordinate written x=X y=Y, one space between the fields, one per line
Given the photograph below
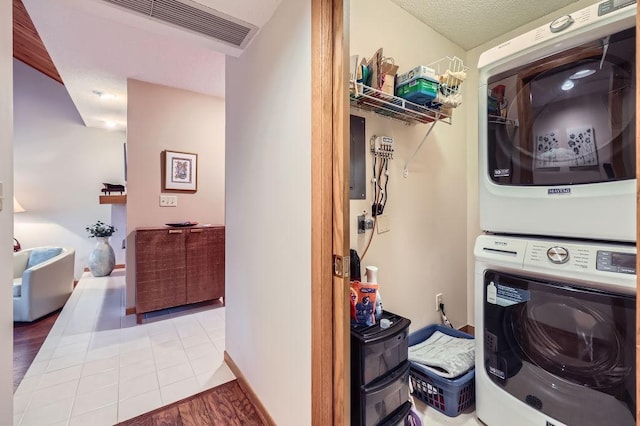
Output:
x=561 y=23
x=558 y=254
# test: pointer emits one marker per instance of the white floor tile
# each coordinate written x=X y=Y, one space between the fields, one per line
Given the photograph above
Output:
x=28 y=385
x=203 y=349
x=55 y=393
x=174 y=374
x=66 y=362
x=141 y=384
x=179 y=390
x=169 y=359
x=37 y=368
x=431 y=416
x=221 y=375
x=131 y=371
x=195 y=340
x=136 y=357
x=216 y=334
x=70 y=349
x=59 y=411
x=98 y=380
x=137 y=405
x=94 y=400
x=20 y=403
x=100 y=365
x=60 y=376
x=105 y=416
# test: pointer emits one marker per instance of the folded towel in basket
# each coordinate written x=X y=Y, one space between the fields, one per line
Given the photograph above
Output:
x=445 y=355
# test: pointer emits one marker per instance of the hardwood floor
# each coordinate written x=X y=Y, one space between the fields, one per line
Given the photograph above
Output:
x=27 y=340
x=226 y=404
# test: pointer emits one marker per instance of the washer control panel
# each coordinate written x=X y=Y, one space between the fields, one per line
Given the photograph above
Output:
x=558 y=254
x=610 y=261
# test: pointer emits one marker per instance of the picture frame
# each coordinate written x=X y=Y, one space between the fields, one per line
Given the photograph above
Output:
x=179 y=171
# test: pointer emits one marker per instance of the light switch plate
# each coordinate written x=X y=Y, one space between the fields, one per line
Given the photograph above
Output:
x=168 y=201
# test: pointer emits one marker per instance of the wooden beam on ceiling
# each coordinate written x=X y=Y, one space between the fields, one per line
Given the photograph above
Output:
x=27 y=44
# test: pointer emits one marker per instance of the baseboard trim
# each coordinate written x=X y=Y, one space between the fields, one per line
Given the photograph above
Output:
x=260 y=408
x=118 y=266
x=469 y=329
x=130 y=311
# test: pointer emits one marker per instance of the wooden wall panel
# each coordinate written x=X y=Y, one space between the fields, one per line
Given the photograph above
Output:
x=27 y=45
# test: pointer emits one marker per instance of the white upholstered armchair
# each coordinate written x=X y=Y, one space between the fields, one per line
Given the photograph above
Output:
x=42 y=281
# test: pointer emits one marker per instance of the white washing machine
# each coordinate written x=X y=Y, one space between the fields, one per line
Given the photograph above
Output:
x=555 y=332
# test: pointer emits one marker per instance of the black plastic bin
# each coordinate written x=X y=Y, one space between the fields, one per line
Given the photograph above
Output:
x=380 y=372
x=376 y=351
x=382 y=398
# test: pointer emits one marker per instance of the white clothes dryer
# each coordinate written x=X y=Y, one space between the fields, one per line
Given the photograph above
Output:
x=555 y=332
x=557 y=128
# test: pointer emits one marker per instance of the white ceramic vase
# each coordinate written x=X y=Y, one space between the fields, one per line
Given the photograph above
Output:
x=102 y=259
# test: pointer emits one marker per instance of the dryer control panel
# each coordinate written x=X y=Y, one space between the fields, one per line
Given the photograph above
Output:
x=610 y=261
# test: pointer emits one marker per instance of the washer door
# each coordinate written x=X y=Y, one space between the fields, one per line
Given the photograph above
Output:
x=552 y=345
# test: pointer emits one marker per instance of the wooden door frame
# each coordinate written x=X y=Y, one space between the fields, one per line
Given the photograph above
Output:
x=637 y=216
x=330 y=382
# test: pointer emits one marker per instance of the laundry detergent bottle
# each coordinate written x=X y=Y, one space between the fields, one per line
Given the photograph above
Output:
x=372 y=278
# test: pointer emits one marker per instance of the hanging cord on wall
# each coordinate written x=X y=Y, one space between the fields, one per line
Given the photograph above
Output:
x=386 y=183
x=376 y=200
x=443 y=316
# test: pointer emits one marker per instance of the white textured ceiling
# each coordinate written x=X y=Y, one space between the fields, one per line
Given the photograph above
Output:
x=470 y=23
x=97 y=46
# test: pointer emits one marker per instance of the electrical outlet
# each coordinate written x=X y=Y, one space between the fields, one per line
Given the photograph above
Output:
x=438 y=301
x=168 y=201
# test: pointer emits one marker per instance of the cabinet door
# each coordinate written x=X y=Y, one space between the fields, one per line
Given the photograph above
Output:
x=205 y=264
x=160 y=269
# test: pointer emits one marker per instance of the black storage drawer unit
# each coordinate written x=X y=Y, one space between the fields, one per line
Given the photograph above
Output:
x=376 y=351
x=380 y=373
x=383 y=397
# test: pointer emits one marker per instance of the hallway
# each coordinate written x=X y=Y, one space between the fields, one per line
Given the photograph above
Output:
x=97 y=366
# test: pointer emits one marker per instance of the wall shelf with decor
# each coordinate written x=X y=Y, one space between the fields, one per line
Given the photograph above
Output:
x=113 y=199
x=450 y=73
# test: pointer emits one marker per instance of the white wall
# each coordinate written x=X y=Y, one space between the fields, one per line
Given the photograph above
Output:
x=60 y=165
x=425 y=251
x=268 y=204
x=159 y=118
x=471 y=96
x=6 y=215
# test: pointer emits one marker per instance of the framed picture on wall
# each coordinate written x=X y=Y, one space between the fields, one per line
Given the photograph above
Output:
x=179 y=171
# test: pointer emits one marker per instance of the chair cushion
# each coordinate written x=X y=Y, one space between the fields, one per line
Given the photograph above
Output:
x=17 y=287
x=40 y=255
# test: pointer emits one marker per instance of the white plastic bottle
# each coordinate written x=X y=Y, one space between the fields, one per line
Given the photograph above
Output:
x=372 y=278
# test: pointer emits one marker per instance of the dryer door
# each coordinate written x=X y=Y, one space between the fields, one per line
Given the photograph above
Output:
x=556 y=346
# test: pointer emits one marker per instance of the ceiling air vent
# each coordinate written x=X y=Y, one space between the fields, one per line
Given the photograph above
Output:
x=194 y=17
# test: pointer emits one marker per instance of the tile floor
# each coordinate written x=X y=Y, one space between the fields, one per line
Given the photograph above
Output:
x=98 y=367
x=432 y=417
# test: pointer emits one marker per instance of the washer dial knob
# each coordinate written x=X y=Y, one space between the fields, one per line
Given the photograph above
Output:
x=558 y=254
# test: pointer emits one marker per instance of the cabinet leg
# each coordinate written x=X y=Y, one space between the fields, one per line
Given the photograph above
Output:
x=222 y=300
x=138 y=318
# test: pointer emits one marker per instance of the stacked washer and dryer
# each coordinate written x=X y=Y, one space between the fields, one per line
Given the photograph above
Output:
x=556 y=266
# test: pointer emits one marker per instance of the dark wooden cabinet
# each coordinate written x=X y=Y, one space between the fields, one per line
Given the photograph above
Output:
x=178 y=266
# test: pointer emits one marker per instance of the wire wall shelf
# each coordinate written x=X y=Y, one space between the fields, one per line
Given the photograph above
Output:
x=369 y=99
x=451 y=73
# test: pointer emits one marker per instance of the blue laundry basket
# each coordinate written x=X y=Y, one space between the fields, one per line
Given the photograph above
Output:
x=449 y=396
